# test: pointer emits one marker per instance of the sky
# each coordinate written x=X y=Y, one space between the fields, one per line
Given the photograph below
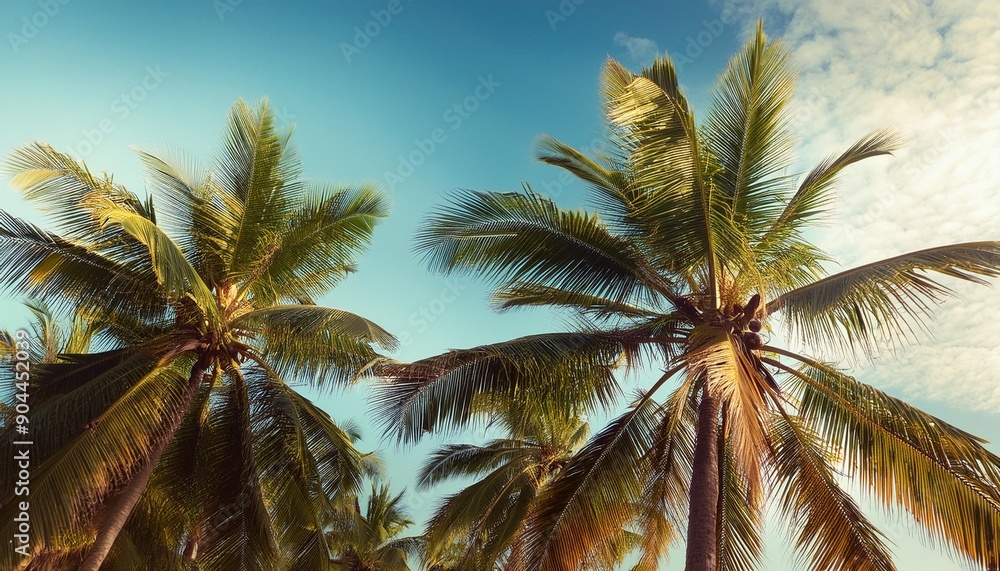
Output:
x=429 y=97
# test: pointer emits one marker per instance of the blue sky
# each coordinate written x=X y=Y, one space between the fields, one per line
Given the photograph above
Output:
x=429 y=97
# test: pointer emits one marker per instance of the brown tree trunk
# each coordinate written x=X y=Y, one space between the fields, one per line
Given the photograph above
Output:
x=120 y=510
x=702 y=544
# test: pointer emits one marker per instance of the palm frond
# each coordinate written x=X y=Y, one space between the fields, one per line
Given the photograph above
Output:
x=830 y=531
x=176 y=275
x=944 y=477
x=662 y=510
x=284 y=322
x=740 y=535
x=443 y=392
x=591 y=499
x=488 y=513
x=747 y=131
x=882 y=302
x=324 y=235
x=525 y=238
x=257 y=174
x=45 y=266
x=815 y=193
x=464 y=460
x=198 y=220
x=529 y=295
x=59 y=184
x=693 y=226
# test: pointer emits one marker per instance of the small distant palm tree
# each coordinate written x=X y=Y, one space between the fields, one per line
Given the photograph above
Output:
x=182 y=429
x=698 y=251
x=488 y=516
x=371 y=541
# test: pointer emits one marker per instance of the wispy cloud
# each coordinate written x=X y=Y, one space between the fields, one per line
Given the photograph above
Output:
x=640 y=49
x=929 y=67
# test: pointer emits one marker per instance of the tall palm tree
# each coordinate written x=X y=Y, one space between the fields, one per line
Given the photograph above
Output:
x=206 y=303
x=371 y=541
x=698 y=251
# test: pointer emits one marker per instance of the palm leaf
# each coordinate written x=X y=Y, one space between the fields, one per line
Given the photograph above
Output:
x=591 y=499
x=318 y=248
x=513 y=237
x=175 y=274
x=830 y=531
x=447 y=392
x=748 y=133
x=882 y=301
x=941 y=475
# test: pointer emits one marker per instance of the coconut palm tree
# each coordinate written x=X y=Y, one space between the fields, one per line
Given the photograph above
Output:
x=488 y=515
x=44 y=340
x=371 y=541
x=698 y=251
x=206 y=305
x=489 y=518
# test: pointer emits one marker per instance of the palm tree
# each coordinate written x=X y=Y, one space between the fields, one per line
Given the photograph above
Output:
x=698 y=251
x=185 y=416
x=371 y=541
x=46 y=340
x=489 y=518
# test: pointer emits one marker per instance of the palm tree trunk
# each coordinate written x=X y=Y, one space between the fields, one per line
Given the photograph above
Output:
x=120 y=510
x=702 y=544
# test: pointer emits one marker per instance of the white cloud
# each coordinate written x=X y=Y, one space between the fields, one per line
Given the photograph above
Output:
x=641 y=49
x=931 y=68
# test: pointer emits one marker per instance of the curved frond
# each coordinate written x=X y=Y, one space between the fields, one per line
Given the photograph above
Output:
x=175 y=273
x=287 y=321
x=591 y=499
x=324 y=234
x=942 y=476
x=815 y=193
x=443 y=392
x=829 y=529
x=458 y=460
x=882 y=301
x=524 y=237
x=66 y=274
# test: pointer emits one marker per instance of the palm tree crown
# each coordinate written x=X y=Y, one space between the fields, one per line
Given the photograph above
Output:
x=372 y=541
x=204 y=310
x=697 y=253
